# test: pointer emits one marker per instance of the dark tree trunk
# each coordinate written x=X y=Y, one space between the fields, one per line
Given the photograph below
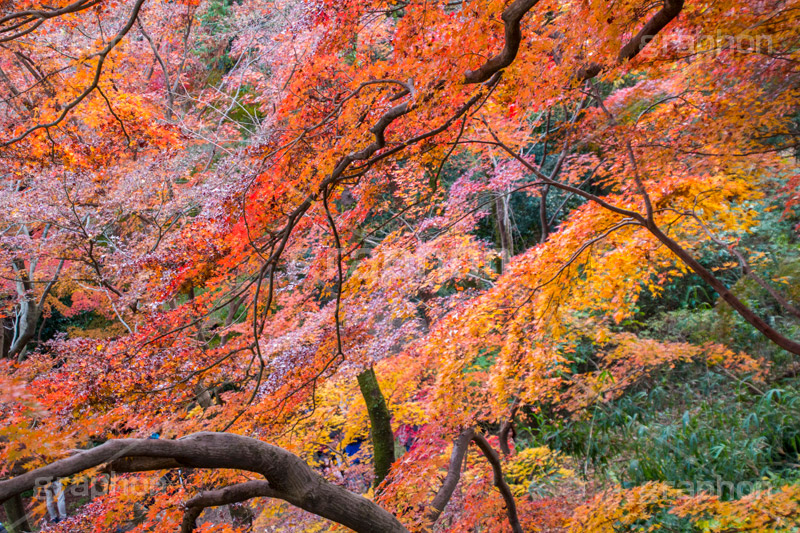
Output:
x=381 y=423
x=6 y=336
x=15 y=512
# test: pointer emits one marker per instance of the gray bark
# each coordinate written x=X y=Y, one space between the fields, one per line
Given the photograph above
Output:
x=287 y=476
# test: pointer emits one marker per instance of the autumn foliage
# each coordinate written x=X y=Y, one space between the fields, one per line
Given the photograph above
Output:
x=442 y=235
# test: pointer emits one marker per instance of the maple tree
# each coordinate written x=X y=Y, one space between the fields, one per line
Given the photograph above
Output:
x=275 y=246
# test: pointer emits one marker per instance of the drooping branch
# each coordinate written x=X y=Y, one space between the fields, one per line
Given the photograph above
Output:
x=499 y=482
x=739 y=306
x=289 y=477
x=684 y=255
x=747 y=269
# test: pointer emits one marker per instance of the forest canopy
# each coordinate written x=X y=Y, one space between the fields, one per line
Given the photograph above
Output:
x=400 y=266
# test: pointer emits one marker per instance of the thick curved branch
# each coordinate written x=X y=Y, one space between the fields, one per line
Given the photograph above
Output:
x=460 y=447
x=507 y=429
x=512 y=16
x=224 y=496
x=288 y=475
x=127 y=465
x=658 y=22
x=663 y=16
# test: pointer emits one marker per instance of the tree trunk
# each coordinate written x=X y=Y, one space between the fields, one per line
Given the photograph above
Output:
x=381 y=422
x=15 y=512
x=203 y=395
x=26 y=328
x=6 y=336
x=543 y=213
x=504 y=231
